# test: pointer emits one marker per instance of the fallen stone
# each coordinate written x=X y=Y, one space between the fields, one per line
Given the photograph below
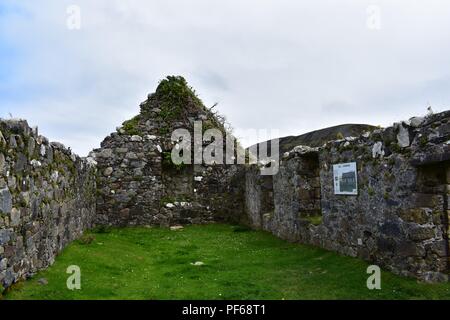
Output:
x=43 y=282
x=176 y=228
x=198 y=264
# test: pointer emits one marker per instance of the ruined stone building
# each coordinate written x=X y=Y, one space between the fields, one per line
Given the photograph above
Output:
x=392 y=209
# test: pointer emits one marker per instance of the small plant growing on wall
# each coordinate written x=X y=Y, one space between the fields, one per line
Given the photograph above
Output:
x=131 y=126
x=168 y=163
x=173 y=94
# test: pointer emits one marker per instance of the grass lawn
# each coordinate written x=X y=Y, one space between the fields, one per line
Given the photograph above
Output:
x=140 y=263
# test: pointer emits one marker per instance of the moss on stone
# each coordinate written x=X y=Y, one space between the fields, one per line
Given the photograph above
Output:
x=314 y=220
x=423 y=141
x=168 y=163
x=174 y=93
x=163 y=130
x=395 y=147
x=391 y=161
x=131 y=127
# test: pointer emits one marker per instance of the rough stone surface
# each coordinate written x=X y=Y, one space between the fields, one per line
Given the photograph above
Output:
x=141 y=186
x=5 y=201
x=399 y=219
x=403 y=136
x=40 y=211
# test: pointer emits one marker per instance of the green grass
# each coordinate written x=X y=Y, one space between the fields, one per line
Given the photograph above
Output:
x=140 y=263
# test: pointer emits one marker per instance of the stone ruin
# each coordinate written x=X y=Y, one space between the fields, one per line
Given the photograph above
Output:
x=398 y=218
x=138 y=184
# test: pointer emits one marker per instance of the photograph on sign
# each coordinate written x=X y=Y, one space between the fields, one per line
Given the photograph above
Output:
x=345 y=178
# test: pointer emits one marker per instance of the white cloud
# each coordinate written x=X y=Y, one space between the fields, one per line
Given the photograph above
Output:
x=290 y=65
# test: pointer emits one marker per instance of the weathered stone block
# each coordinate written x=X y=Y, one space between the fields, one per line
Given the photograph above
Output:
x=417 y=215
x=3 y=264
x=5 y=201
x=406 y=248
x=391 y=229
x=419 y=233
x=434 y=277
x=9 y=251
x=121 y=150
x=125 y=213
x=108 y=171
x=415 y=122
x=403 y=139
x=2 y=162
x=15 y=217
x=438 y=247
x=8 y=278
x=304 y=194
x=422 y=200
x=131 y=156
x=104 y=153
x=20 y=163
x=136 y=138
x=386 y=245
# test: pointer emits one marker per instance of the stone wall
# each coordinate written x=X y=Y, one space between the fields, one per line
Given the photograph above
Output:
x=47 y=199
x=129 y=180
x=399 y=219
x=138 y=183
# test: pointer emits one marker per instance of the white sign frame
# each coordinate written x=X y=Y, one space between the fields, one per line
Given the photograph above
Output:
x=350 y=186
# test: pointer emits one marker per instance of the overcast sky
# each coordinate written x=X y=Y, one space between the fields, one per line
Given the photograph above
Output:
x=290 y=65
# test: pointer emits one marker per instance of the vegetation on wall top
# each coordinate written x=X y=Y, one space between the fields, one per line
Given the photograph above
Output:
x=173 y=95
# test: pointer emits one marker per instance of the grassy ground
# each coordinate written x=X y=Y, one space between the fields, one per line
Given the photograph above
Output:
x=139 y=263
